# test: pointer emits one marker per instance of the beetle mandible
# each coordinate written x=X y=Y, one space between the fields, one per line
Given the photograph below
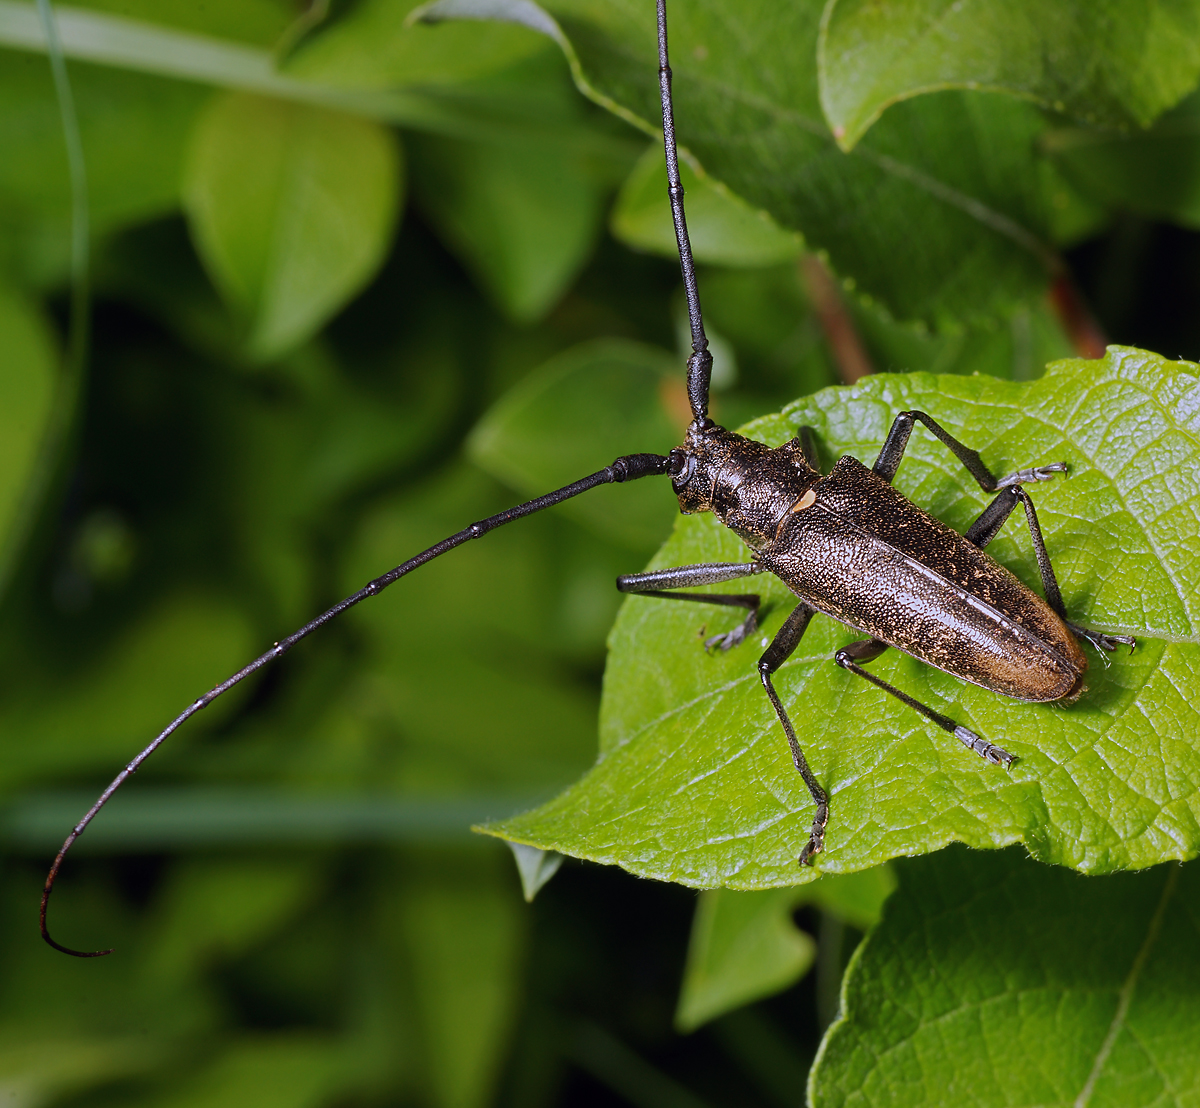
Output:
x=846 y=544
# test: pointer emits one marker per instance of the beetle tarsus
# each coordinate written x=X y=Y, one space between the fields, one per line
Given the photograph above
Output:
x=986 y=750
x=1037 y=473
x=1102 y=641
x=816 y=837
x=733 y=638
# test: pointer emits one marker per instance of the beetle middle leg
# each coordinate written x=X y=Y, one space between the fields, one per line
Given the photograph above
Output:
x=866 y=650
x=655 y=582
x=897 y=441
x=785 y=641
x=780 y=649
x=985 y=528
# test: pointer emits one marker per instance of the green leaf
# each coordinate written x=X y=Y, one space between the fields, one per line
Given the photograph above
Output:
x=375 y=46
x=695 y=784
x=287 y=1070
x=744 y=945
x=480 y=721
x=222 y=907
x=134 y=130
x=28 y=368
x=1155 y=173
x=255 y=21
x=995 y=981
x=522 y=217
x=958 y=167
x=291 y=208
x=133 y=688
x=573 y=416
x=1017 y=348
x=189 y=57
x=857 y=898
x=39 y=1072
x=778 y=338
x=535 y=867
x=465 y=942
x=1108 y=62
x=723 y=229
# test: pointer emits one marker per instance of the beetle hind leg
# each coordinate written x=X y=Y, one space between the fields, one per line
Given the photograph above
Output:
x=1102 y=641
x=897 y=442
x=985 y=528
x=989 y=752
x=867 y=650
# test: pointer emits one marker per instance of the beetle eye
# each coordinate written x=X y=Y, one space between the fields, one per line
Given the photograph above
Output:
x=681 y=467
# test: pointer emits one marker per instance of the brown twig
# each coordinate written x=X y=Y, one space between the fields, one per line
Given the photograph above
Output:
x=1083 y=329
x=848 y=351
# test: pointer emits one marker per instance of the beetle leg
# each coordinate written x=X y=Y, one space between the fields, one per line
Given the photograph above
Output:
x=868 y=649
x=897 y=441
x=807 y=439
x=1101 y=640
x=1038 y=473
x=985 y=528
x=785 y=641
x=893 y=449
x=712 y=573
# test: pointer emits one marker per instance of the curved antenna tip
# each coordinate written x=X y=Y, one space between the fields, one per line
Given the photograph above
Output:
x=46 y=891
x=58 y=946
x=76 y=953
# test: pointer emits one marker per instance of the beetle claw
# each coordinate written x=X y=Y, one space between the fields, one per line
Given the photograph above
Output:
x=816 y=837
x=1036 y=473
x=1102 y=641
x=986 y=750
x=732 y=638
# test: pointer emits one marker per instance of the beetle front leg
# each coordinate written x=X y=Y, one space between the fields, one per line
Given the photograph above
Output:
x=985 y=528
x=656 y=581
x=897 y=441
x=774 y=656
x=867 y=650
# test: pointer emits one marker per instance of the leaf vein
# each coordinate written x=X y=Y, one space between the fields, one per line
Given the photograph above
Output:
x=1125 y=997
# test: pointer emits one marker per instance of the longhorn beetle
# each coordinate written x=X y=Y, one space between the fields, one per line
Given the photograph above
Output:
x=846 y=543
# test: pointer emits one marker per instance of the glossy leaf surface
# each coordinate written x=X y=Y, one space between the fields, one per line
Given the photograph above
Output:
x=694 y=782
x=372 y=45
x=996 y=981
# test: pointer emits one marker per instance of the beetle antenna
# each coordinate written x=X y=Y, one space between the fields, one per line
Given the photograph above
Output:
x=699 y=366
x=627 y=468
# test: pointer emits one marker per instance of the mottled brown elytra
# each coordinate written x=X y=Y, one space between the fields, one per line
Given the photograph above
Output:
x=846 y=543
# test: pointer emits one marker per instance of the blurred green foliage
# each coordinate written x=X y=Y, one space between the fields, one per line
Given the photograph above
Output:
x=359 y=280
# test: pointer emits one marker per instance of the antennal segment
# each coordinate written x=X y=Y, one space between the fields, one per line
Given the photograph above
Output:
x=699 y=366
x=629 y=467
